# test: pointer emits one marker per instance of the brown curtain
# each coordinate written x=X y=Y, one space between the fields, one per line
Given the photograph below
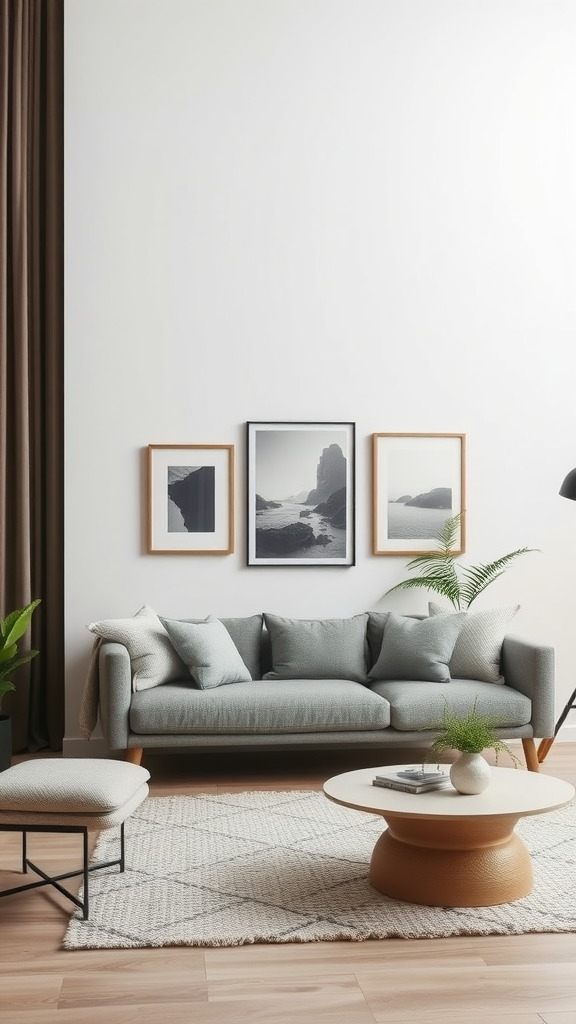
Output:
x=31 y=355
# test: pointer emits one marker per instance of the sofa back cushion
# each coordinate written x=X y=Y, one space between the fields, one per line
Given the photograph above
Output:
x=318 y=648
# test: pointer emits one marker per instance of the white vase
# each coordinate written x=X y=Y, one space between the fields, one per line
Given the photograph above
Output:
x=470 y=774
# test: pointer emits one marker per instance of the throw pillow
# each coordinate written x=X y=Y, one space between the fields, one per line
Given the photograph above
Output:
x=246 y=633
x=478 y=648
x=208 y=651
x=318 y=648
x=417 y=648
x=153 y=659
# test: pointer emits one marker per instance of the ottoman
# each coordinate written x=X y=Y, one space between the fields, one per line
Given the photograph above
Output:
x=69 y=795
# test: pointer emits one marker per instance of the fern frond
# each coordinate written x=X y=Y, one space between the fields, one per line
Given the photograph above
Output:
x=446 y=584
x=446 y=537
x=476 y=578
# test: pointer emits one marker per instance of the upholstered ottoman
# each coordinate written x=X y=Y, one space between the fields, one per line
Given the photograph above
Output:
x=69 y=795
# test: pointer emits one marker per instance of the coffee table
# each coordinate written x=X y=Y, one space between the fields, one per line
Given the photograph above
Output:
x=444 y=849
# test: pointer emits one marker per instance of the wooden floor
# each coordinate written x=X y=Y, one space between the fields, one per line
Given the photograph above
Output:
x=525 y=979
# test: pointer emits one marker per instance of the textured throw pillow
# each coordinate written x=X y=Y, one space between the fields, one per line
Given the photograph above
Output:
x=318 y=648
x=417 y=648
x=246 y=633
x=153 y=659
x=208 y=651
x=478 y=648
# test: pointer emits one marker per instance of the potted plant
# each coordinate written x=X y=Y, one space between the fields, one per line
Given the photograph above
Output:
x=438 y=571
x=12 y=629
x=470 y=734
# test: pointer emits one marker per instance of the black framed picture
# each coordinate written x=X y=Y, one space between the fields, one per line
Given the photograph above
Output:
x=301 y=493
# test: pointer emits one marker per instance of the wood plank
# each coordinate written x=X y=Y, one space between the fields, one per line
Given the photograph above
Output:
x=396 y=993
x=122 y=988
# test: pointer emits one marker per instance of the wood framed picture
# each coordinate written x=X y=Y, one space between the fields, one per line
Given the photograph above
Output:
x=418 y=482
x=301 y=493
x=191 y=499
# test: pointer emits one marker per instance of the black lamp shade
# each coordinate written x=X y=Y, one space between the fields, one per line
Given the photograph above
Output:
x=568 y=489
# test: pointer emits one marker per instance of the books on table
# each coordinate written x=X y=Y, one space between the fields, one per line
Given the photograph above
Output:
x=413 y=780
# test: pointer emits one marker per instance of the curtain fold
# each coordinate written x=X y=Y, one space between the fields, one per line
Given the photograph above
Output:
x=31 y=355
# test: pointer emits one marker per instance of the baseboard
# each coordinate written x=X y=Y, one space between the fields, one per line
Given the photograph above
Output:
x=567 y=734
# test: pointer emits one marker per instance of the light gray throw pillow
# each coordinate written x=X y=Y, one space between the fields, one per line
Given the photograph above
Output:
x=153 y=660
x=318 y=648
x=478 y=648
x=417 y=649
x=208 y=651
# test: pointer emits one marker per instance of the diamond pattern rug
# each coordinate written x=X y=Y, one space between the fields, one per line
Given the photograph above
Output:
x=224 y=870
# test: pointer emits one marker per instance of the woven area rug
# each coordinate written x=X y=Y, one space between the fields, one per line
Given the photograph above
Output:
x=224 y=870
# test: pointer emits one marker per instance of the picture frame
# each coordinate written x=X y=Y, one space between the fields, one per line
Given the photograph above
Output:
x=191 y=499
x=407 y=471
x=301 y=493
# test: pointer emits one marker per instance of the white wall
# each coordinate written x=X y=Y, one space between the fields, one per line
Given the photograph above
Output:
x=319 y=210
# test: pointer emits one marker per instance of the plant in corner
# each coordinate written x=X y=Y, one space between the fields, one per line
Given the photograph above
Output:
x=470 y=735
x=12 y=629
x=438 y=571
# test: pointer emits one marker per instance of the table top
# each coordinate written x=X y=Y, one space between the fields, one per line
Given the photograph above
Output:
x=512 y=791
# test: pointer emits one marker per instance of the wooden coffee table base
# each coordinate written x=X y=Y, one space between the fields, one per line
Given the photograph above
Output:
x=451 y=863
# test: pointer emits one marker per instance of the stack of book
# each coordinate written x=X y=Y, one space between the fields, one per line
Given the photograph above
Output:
x=413 y=780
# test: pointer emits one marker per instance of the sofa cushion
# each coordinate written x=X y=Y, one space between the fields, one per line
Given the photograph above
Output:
x=208 y=651
x=478 y=649
x=417 y=648
x=246 y=633
x=375 y=634
x=153 y=659
x=318 y=648
x=260 y=706
x=422 y=704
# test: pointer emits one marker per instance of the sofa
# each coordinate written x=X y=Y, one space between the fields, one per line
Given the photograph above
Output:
x=267 y=682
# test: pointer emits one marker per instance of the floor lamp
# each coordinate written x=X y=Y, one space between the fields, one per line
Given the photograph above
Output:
x=568 y=490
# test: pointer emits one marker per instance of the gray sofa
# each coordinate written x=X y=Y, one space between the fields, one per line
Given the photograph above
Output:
x=264 y=682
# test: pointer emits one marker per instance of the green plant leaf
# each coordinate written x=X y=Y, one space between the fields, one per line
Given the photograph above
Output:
x=470 y=734
x=477 y=577
x=7 y=653
x=438 y=570
x=13 y=627
x=15 y=663
x=5 y=687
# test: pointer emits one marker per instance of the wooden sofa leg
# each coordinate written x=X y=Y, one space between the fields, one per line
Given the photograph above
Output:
x=544 y=747
x=134 y=755
x=532 y=762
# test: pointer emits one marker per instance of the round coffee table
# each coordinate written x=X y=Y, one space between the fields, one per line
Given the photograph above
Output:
x=444 y=849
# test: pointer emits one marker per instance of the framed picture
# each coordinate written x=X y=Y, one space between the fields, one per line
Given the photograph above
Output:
x=301 y=479
x=418 y=483
x=191 y=499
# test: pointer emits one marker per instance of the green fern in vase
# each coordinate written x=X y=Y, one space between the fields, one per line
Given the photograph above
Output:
x=470 y=735
x=438 y=571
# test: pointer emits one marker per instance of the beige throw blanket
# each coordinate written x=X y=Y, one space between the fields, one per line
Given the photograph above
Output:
x=89 y=705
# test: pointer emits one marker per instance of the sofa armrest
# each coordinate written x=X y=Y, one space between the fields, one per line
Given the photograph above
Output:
x=529 y=668
x=115 y=676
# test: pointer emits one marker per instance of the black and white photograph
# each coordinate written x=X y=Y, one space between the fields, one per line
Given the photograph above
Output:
x=190 y=499
x=418 y=483
x=301 y=493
